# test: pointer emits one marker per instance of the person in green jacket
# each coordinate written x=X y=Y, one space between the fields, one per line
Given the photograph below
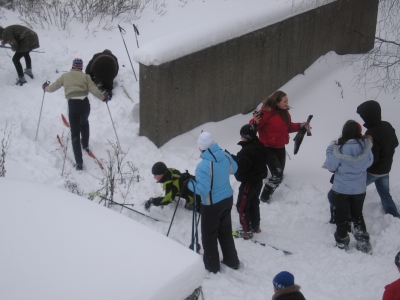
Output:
x=174 y=184
x=22 y=40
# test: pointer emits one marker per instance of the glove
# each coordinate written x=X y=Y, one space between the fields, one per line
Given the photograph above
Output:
x=45 y=85
x=307 y=126
x=106 y=98
x=148 y=203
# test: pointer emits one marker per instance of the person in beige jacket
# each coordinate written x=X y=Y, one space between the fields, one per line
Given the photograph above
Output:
x=77 y=85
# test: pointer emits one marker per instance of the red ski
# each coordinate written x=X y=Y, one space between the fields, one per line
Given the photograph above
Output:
x=89 y=152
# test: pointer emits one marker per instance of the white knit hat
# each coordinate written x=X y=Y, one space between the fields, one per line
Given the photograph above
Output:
x=205 y=141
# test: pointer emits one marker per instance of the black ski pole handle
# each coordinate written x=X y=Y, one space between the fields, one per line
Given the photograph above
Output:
x=309 y=118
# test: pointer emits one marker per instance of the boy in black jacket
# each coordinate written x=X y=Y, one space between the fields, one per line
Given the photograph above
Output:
x=174 y=184
x=385 y=141
x=252 y=169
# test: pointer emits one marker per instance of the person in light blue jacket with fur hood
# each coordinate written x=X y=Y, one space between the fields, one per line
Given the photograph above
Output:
x=349 y=158
x=213 y=185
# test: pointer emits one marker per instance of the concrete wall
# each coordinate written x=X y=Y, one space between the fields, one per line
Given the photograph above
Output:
x=235 y=76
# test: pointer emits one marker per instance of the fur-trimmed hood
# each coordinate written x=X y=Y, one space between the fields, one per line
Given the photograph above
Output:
x=290 y=293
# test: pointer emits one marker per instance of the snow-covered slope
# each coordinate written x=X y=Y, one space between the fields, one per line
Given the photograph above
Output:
x=56 y=245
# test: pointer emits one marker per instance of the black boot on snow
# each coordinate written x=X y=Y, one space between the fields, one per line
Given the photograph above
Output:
x=266 y=193
x=20 y=81
x=363 y=243
x=342 y=243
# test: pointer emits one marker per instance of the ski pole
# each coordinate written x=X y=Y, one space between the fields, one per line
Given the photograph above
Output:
x=173 y=216
x=7 y=47
x=119 y=145
x=37 y=130
x=136 y=34
x=195 y=223
x=123 y=205
x=122 y=31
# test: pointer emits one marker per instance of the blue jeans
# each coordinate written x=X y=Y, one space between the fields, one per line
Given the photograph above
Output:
x=382 y=186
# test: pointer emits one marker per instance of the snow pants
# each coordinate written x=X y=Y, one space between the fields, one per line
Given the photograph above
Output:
x=79 y=111
x=345 y=203
x=16 y=60
x=248 y=204
x=276 y=164
x=216 y=226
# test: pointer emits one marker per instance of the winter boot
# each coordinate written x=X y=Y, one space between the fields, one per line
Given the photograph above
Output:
x=20 y=81
x=256 y=230
x=342 y=243
x=267 y=192
x=363 y=243
x=78 y=167
x=243 y=234
x=29 y=73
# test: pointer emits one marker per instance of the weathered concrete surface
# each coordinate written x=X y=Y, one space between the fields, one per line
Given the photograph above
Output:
x=235 y=76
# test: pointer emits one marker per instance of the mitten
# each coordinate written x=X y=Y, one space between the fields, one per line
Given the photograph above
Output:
x=45 y=85
x=148 y=203
x=106 y=98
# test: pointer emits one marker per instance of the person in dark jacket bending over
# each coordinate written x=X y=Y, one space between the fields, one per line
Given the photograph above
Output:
x=174 y=184
x=284 y=287
x=103 y=68
x=252 y=169
x=213 y=185
x=22 y=40
x=385 y=142
x=77 y=85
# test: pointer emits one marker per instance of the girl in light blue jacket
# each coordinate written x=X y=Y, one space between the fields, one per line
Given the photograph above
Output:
x=349 y=159
x=212 y=184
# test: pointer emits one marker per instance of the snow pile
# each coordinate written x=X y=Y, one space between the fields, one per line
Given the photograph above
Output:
x=56 y=245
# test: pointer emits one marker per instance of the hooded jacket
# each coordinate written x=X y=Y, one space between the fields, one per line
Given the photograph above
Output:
x=212 y=175
x=21 y=38
x=349 y=165
x=383 y=135
x=103 y=66
x=290 y=293
x=273 y=131
x=252 y=161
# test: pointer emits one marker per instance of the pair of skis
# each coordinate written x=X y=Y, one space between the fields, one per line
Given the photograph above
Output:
x=90 y=152
x=236 y=235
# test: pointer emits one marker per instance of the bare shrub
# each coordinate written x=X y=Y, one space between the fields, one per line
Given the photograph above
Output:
x=61 y=12
x=119 y=175
x=5 y=144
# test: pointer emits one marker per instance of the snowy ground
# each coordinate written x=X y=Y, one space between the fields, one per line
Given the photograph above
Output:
x=297 y=218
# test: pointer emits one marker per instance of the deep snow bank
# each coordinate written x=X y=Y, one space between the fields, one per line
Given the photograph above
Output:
x=56 y=245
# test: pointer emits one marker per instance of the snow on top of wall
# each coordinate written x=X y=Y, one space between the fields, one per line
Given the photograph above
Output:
x=57 y=245
x=229 y=26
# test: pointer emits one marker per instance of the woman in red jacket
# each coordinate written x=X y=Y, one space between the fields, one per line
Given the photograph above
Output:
x=274 y=125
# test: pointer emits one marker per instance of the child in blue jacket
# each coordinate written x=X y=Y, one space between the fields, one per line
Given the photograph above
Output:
x=213 y=185
x=349 y=158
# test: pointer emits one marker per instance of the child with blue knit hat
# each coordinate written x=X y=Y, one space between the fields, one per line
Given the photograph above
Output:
x=284 y=287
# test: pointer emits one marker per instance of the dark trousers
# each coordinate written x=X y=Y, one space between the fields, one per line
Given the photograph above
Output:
x=216 y=226
x=248 y=204
x=16 y=60
x=79 y=111
x=276 y=163
x=345 y=203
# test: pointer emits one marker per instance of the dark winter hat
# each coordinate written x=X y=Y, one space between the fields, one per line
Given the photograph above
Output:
x=77 y=63
x=107 y=51
x=283 y=280
x=370 y=112
x=159 y=168
x=248 y=131
x=358 y=125
x=397 y=260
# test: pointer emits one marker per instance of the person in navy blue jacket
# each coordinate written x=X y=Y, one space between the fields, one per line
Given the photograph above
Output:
x=213 y=185
x=349 y=158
